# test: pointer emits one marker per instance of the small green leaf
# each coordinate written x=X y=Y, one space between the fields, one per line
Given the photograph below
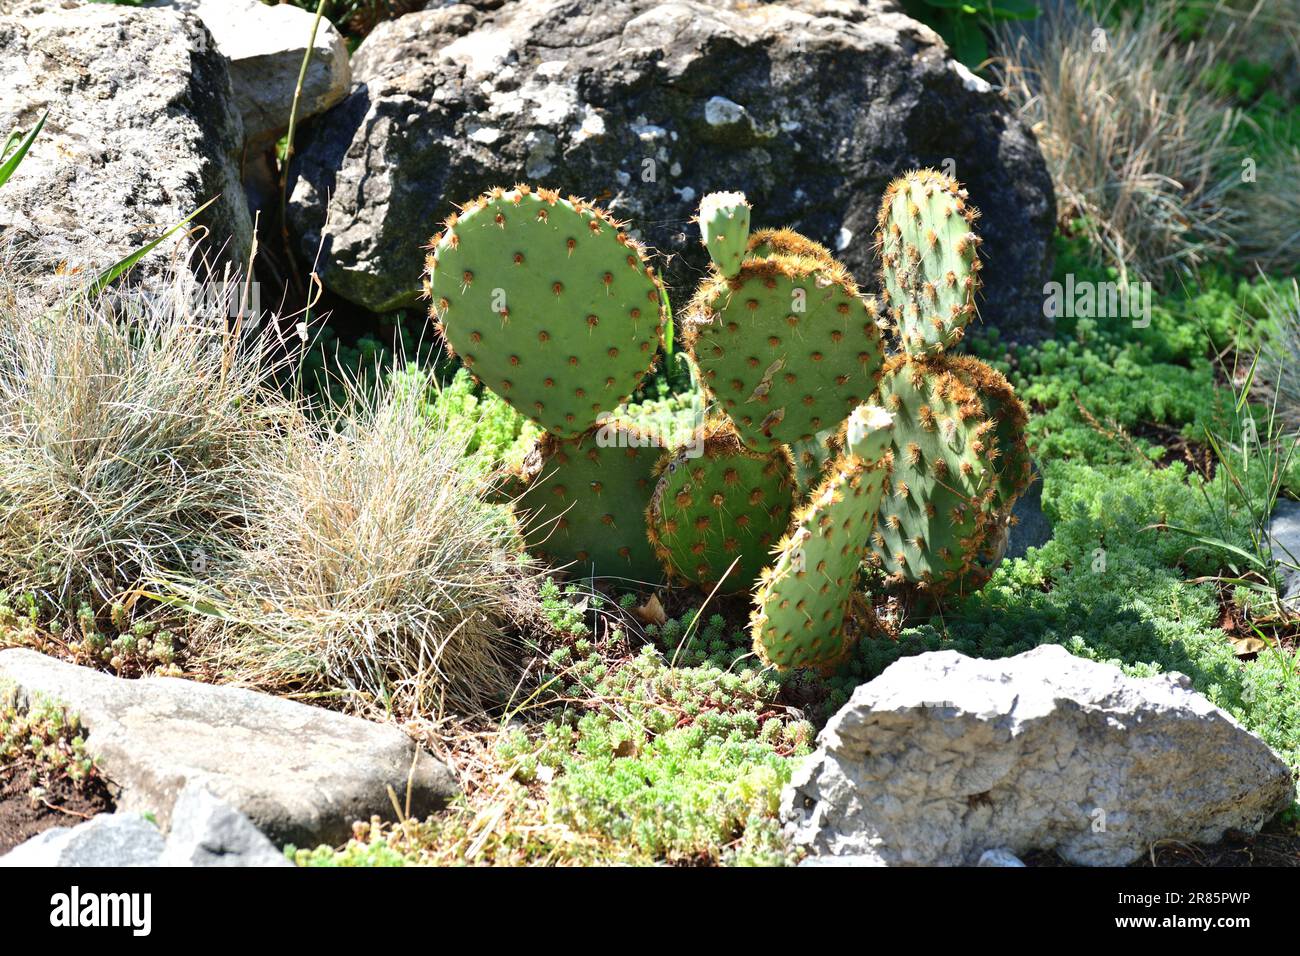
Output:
x=8 y=167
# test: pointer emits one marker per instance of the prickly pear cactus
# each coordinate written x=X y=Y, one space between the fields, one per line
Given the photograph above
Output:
x=582 y=501
x=804 y=608
x=719 y=508
x=929 y=263
x=547 y=302
x=724 y=225
x=787 y=346
x=938 y=511
x=811 y=458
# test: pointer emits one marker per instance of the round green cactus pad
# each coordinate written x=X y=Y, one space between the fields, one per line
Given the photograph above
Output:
x=548 y=302
x=719 y=508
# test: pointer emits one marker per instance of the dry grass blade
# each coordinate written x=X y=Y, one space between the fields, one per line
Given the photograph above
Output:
x=1136 y=147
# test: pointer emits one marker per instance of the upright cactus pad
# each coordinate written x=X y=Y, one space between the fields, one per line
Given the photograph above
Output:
x=547 y=302
x=929 y=263
x=803 y=614
x=786 y=347
x=584 y=499
x=724 y=226
x=934 y=520
x=718 y=504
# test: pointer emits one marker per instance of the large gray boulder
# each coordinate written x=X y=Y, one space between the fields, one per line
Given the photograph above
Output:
x=943 y=757
x=302 y=774
x=264 y=45
x=808 y=106
x=142 y=131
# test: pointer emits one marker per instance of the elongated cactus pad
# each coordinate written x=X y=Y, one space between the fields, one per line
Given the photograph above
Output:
x=718 y=504
x=804 y=606
x=547 y=302
x=934 y=520
x=724 y=225
x=786 y=347
x=929 y=263
x=584 y=500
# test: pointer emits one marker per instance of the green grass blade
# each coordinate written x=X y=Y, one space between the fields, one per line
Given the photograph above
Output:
x=117 y=269
x=8 y=167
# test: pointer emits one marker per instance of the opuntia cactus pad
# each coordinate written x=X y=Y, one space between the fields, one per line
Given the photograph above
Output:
x=548 y=302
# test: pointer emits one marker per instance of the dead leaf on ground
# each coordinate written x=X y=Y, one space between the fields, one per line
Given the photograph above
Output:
x=1245 y=646
x=651 y=612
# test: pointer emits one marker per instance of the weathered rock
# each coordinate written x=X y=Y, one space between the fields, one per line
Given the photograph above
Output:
x=142 y=131
x=1000 y=857
x=206 y=831
x=808 y=106
x=110 y=839
x=264 y=46
x=1032 y=529
x=944 y=757
x=301 y=774
x=1284 y=534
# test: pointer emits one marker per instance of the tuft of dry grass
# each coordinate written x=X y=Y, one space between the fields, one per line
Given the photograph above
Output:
x=127 y=424
x=1137 y=148
x=372 y=572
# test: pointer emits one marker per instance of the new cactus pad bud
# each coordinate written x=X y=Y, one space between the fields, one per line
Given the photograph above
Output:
x=724 y=226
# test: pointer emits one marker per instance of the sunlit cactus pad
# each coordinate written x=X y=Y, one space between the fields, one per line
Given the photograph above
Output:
x=807 y=612
x=719 y=504
x=787 y=346
x=929 y=262
x=584 y=501
x=938 y=511
x=548 y=302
